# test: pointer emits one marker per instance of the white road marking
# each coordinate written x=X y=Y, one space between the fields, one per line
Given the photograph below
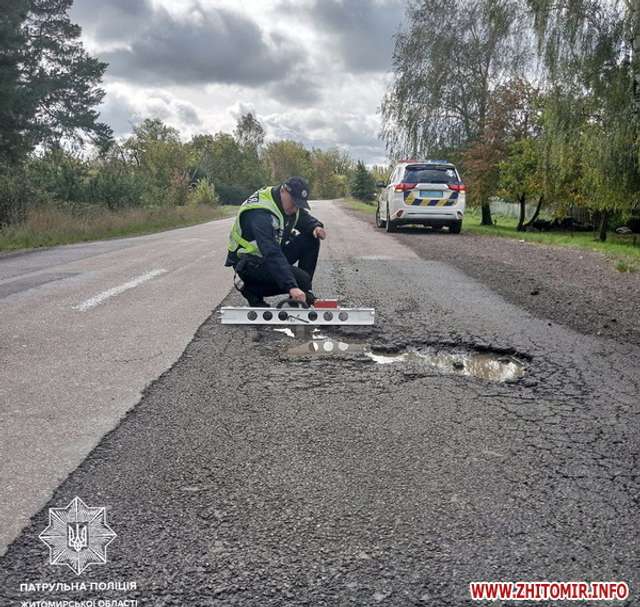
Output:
x=100 y=297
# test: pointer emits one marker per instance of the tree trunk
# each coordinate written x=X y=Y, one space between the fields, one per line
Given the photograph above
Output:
x=486 y=215
x=634 y=33
x=535 y=213
x=523 y=209
x=604 y=223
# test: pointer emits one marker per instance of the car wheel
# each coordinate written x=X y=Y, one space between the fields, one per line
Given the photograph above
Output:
x=455 y=227
x=380 y=223
x=390 y=225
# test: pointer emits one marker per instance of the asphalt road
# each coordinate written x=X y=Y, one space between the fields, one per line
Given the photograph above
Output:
x=250 y=476
x=84 y=329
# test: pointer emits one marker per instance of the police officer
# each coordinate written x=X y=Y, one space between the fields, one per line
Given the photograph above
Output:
x=263 y=246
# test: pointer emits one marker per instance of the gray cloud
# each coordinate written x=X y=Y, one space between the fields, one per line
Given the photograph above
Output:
x=121 y=113
x=326 y=85
x=326 y=130
x=112 y=20
x=362 y=30
x=118 y=112
x=297 y=90
x=206 y=47
x=188 y=114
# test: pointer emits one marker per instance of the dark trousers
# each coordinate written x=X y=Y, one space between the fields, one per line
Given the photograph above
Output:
x=302 y=249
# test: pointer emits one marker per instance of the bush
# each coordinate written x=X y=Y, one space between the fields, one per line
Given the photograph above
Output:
x=59 y=175
x=115 y=188
x=203 y=193
x=16 y=195
x=178 y=192
x=233 y=194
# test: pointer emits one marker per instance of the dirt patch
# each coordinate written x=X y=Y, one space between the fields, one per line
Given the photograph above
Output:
x=578 y=288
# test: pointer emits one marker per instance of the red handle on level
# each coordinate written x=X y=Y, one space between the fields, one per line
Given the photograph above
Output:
x=325 y=303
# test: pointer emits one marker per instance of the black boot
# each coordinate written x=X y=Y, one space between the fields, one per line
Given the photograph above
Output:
x=255 y=301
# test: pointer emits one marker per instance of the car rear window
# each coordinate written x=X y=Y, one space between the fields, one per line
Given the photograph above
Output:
x=430 y=174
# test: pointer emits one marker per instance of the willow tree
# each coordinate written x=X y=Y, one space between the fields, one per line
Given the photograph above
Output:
x=446 y=63
x=591 y=49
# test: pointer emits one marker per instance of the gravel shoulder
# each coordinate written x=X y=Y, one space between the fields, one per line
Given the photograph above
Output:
x=577 y=288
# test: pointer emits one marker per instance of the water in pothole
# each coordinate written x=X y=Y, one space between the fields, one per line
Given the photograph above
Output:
x=485 y=365
x=315 y=333
x=490 y=366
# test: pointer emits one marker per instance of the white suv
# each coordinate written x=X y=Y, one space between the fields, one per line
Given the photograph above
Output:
x=429 y=193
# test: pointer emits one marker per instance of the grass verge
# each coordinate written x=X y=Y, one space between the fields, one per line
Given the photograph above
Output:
x=46 y=227
x=620 y=249
x=358 y=205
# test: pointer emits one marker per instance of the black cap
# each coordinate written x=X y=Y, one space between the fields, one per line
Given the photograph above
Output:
x=299 y=189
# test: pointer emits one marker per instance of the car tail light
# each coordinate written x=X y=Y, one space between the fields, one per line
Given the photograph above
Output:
x=457 y=187
x=403 y=187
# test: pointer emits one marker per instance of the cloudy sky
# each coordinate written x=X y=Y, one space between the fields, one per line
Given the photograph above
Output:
x=312 y=70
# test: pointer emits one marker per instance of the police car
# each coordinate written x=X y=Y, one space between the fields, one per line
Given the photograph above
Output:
x=428 y=193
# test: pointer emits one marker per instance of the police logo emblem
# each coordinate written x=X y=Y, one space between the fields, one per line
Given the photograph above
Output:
x=77 y=536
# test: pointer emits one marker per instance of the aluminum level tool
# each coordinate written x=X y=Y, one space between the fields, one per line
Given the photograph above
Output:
x=289 y=312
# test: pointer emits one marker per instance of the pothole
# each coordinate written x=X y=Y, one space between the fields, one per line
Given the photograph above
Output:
x=487 y=365
x=484 y=365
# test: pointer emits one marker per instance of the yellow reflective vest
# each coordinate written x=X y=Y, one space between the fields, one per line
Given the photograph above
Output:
x=262 y=199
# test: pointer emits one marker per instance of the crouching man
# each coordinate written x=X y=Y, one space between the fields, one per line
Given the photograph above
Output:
x=264 y=248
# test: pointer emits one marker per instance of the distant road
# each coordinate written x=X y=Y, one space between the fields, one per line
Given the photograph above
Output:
x=84 y=328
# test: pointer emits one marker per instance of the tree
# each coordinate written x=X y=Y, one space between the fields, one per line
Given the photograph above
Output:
x=591 y=53
x=363 y=185
x=249 y=135
x=162 y=160
x=521 y=178
x=249 y=132
x=329 y=173
x=514 y=112
x=286 y=158
x=632 y=35
x=14 y=104
x=222 y=161
x=445 y=66
x=61 y=79
x=49 y=85
x=382 y=173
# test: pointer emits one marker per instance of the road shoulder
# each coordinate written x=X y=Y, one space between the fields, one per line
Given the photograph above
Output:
x=577 y=288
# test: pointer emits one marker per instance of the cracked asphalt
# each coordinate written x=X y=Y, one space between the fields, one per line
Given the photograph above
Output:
x=247 y=477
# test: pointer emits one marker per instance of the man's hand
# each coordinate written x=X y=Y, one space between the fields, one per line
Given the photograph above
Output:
x=297 y=294
x=320 y=233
